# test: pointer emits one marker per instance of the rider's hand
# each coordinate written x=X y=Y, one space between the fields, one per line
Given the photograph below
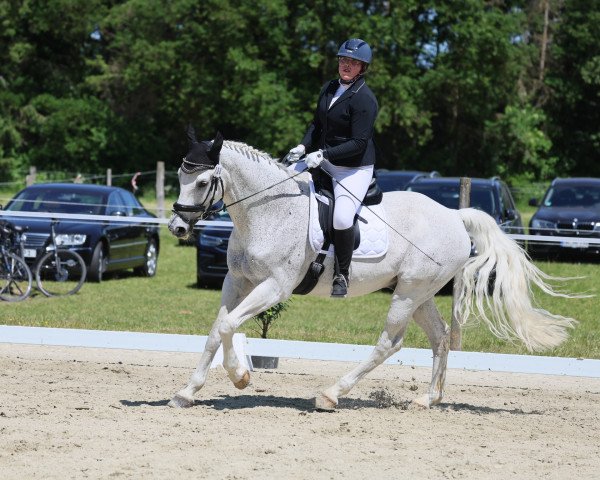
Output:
x=314 y=159
x=296 y=153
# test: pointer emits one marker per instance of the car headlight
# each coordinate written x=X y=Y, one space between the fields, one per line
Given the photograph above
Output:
x=542 y=224
x=211 y=241
x=70 y=239
x=597 y=227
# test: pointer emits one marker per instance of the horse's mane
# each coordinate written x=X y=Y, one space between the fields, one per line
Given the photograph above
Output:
x=252 y=153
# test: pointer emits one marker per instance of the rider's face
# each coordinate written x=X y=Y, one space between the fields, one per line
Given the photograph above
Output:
x=349 y=68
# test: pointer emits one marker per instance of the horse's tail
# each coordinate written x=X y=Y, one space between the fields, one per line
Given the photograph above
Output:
x=508 y=311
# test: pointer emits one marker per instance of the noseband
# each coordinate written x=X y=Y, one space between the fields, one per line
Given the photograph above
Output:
x=201 y=209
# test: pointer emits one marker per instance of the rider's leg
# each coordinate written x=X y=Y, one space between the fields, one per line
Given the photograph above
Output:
x=350 y=187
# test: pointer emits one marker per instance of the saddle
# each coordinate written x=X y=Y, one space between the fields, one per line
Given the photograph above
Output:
x=324 y=188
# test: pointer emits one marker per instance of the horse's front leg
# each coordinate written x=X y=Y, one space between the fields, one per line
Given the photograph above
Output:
x=262 y=297
x=230 y=298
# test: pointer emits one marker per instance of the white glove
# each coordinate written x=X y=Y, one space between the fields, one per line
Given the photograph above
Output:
x=314 y=159
x=296 y=153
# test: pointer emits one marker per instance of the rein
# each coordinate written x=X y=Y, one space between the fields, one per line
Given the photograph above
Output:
x=265 y=189
x=217 y=180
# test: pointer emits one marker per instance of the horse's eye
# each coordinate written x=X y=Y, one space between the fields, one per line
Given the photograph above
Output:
x=203 y=183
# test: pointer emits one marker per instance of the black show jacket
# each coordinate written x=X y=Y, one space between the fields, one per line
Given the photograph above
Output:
x=345 y=131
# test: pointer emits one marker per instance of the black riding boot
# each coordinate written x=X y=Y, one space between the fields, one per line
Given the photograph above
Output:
x=343 y=241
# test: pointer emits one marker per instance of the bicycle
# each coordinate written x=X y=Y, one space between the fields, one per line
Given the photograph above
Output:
x=59 y=271
x=15 y=275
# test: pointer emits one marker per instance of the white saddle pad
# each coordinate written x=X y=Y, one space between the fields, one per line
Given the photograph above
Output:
x=374 y=240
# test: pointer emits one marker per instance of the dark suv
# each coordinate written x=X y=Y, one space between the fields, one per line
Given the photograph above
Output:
x=394 y=180
x=570 y=208
x=490 y=195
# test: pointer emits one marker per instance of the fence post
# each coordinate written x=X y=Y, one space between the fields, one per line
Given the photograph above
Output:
x=30 y=179
x=160 y=189
x=464 y=201
x=109 y=176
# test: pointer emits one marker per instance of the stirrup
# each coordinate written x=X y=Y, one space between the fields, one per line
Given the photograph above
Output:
x=339 y=288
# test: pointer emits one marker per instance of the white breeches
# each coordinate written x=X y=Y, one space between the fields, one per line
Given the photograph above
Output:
x=350 y=186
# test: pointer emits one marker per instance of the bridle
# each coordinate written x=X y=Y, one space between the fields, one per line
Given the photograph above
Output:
x=202 y=209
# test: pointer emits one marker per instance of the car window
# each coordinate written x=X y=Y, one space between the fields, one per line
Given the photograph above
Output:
x=56 y=201
x=132 y=203
x=506 y=199
x=576 y=196
x=448 y=195
x=391 y=183
x=116 y=203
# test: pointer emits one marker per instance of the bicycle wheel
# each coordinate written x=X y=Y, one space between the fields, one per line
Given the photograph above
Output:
x=61 y=272
x=15 y=278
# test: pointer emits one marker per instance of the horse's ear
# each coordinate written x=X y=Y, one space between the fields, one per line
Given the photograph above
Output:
x=191 y=134
x=213 y=153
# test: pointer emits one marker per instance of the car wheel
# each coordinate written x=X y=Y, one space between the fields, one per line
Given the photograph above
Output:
x=99 y=263
x=150 y=260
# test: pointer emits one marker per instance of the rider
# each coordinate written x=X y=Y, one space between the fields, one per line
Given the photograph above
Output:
x=339 y=139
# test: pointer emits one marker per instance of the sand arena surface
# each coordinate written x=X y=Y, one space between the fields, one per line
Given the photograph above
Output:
x=96 y=413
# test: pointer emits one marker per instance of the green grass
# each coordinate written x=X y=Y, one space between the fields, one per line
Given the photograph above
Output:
x=171 y=303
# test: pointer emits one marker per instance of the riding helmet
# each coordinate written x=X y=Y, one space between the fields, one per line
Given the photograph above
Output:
x=357 y=49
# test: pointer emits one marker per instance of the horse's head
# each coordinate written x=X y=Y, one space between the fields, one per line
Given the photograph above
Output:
x=200 y=184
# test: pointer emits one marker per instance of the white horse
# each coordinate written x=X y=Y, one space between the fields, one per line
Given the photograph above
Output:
x=269 y=253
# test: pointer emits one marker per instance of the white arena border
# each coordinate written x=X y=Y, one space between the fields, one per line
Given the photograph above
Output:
x=296 y=349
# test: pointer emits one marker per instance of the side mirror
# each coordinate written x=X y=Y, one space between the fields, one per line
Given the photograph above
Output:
x=533 y=202
x=510 y=214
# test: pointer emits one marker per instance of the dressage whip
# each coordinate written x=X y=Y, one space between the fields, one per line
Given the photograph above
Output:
x=373 y=212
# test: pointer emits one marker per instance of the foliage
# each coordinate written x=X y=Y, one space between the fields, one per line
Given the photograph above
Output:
x=87 y=85
x=265 y=319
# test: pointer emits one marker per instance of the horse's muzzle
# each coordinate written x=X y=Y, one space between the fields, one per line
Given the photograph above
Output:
x=178 y=227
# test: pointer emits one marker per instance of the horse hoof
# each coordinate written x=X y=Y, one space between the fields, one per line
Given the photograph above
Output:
x=243 y=382
x=325 y=404
x=422 y=402
x=180 y=402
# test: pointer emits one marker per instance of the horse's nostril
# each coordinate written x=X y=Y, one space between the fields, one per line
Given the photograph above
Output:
x=180 y=231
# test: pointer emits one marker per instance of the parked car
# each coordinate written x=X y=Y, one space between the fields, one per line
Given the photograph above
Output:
x=211 y=250
x=104 y=245
x=394 y=180
x=491 y=195
x=570 y=208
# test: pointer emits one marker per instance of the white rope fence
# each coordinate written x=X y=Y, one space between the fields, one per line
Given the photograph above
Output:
x=574 y=242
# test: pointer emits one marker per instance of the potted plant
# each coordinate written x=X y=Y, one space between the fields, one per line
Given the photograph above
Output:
x=265 y=320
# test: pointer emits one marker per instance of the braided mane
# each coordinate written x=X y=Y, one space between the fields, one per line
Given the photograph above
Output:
x=249 y=152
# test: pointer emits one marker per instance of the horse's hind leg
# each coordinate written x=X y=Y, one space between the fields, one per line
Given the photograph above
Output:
x=429 y=319
x=390 y=341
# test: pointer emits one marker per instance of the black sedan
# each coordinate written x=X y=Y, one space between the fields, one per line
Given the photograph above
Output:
x=106 y=246
x=570 y=208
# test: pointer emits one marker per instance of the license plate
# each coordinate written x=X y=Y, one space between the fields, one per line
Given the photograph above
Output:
x=574 y=244
x=29 y=253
